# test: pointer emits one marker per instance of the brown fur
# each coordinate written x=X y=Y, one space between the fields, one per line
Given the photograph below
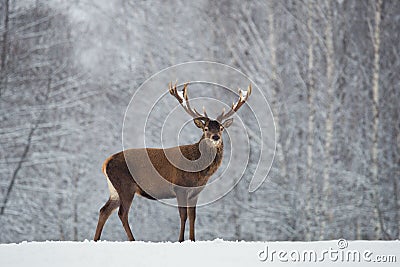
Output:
x=149 y=173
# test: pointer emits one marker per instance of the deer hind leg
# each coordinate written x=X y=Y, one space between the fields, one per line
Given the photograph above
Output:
x=125 y=205
x=183 y=215
x=192 y=218
x=105 y=213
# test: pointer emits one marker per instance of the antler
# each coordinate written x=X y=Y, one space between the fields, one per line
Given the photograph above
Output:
x=184 y=101
x=243 y=96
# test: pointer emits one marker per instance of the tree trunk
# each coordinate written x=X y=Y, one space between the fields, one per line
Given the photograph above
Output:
x=275 y=90
x=4 y=49
x=327 y=214
x=311 y=120
x=375 y=111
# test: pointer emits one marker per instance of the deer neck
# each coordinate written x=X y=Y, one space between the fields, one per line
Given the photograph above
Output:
x=216 y=151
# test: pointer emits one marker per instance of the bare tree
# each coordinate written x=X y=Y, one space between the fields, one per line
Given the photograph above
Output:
x=330 y=67
x=376 y=39
x=311 y=121
x=4 y=50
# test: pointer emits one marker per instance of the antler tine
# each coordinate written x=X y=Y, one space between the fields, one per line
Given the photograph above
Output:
x=204 y=112
x=192 y=112
x=235 y=106
x=185 y=95
x=174 y=92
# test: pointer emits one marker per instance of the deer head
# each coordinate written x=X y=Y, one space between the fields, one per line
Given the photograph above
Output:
x=212 y=129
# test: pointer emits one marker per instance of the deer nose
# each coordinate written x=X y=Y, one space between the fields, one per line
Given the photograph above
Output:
x=215 y=137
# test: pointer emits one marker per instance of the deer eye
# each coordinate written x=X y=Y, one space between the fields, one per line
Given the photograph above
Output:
x=205 y=129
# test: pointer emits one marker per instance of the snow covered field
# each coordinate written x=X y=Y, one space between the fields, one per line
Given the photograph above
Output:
x=202 y=253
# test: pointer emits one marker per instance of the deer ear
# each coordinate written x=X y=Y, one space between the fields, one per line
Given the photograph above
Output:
x=227 y=123
x=199 y=123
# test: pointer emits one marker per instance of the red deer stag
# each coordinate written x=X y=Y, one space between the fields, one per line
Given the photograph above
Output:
x=138 y=171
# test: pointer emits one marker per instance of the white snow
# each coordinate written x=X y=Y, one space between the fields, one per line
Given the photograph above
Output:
x=200 y=253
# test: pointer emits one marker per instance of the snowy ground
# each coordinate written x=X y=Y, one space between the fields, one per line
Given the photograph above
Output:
x=216 y=253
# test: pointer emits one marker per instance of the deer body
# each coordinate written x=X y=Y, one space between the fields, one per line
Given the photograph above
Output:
x=156 y=173
x=117 y=165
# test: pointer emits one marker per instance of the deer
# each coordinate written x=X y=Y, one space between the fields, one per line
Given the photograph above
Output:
x=149 y=172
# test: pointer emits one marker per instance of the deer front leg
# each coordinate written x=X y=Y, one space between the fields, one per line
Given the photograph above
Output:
x=192 y=218
x=181 y=197
x=183 y=215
